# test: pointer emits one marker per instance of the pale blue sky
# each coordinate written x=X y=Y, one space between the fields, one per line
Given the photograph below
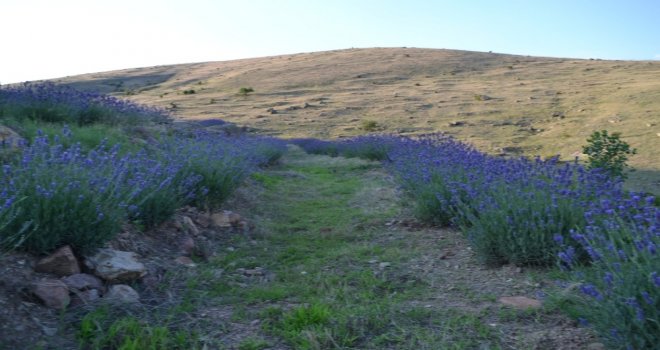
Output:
x=46 y=38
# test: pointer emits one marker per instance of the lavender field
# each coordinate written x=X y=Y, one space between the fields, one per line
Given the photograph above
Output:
x=70 y=186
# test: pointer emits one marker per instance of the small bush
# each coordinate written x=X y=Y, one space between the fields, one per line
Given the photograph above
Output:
x=244 y=91
x=608 y=152
x=369 y=125
x=189 y=92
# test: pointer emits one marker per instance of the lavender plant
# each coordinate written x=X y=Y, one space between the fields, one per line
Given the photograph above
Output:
x=48 y=102
x=67 y=196
x=620 y=290
x=219 y=162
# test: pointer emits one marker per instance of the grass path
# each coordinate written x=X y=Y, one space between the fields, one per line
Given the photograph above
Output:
x=338 y=263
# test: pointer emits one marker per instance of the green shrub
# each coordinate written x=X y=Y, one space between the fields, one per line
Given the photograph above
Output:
x=244 y=91
x=369 y=125
x=608 y=152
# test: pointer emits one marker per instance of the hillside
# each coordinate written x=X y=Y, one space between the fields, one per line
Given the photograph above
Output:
x=503 y=104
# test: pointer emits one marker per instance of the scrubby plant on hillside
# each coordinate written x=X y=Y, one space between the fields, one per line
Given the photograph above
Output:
x=48 y=102
x=369 y=125
x=244 y=91
x=608 y=152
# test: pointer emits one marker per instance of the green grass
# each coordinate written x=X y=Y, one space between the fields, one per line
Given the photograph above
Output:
x=318 y=240
x=100 y=330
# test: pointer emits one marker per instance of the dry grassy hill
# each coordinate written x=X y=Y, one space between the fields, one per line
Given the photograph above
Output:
x=500 y=103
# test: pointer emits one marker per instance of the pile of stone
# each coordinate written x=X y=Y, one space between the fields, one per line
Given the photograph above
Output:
x=104 y=275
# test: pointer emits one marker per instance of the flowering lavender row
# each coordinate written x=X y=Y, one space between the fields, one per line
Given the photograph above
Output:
x=537 y=212
x=55 y=195
x=59 y=103
x=367 y=147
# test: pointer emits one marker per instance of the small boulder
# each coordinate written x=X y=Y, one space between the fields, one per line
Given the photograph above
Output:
x=116 y=266
x=10 y=138
x=62 y=263
x=52 y=292
x=123 y=294
x=203 y=220
x=520 y=302
x=225 y=219
x=187 y=245
x=83 y=281
x=185 y=261
x=189 y=226
x=85 y=297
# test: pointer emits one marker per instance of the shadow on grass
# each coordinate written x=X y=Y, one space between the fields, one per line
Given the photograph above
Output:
x=644 y=180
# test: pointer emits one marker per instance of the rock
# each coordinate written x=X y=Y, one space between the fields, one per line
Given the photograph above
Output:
x=520 y=302
x=52 y=292
x=189 y=226
x=123 y=294
x=185 y=261
x=596 y=346
x=456 y=123
x=116 y=266
x=85 y=297
x=203 y=220
x=187 y=245
x=83 y=281
x=257 y=271
x=225 y=219
x=62 y=263
x=559 y=115
x=384 y=265
x=10 y=138
x=614 y=120
x=271 y=110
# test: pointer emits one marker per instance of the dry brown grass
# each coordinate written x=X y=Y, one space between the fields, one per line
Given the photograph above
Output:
x=500 y=103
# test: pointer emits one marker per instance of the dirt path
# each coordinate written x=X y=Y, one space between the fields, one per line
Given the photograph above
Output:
x=340 y=263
